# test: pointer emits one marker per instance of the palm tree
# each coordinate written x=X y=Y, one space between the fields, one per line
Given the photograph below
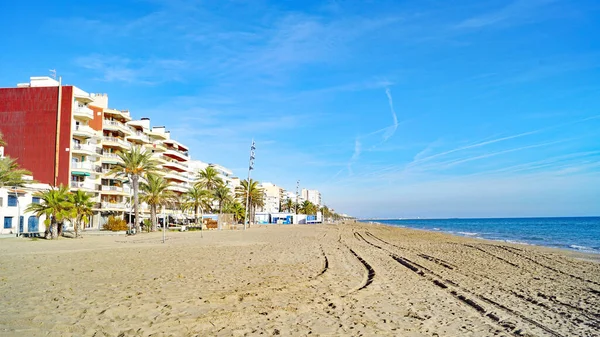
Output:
x=254 y=194
x=222 y=195
x=197 y=197
x=82 y=204
x=307 y=207
x=235 y=208
x=209 y=179
x=55 y=205
x=287 y=205
x=155 y=193
x=11 y=174
x=325 y=213
x=136 y=163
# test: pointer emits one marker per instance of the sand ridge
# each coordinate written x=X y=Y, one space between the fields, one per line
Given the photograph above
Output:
x=351 y=279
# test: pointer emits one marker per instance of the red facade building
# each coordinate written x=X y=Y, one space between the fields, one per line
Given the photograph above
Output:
x=29 y=123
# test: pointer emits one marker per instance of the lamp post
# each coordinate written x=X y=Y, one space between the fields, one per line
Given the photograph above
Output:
x=18 y=209
x=250 y=168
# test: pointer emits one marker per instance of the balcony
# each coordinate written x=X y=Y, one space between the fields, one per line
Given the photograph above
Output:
x=118 y=142
x=85 y=166
x=84 y=185
x=113 y=205
x=88 y=149
x=84 y=131
x=179 y=187
x=115 y=126
x=176 y=154
x=174 y=165
x=139 y=136
x=174 y=175
x=111 y=158
x=106 y=189
x=83 y=112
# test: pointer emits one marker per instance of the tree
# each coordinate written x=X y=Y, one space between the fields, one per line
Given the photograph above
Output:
x=223 y=195
x=56 y=206
x=326 y=213
x=237 y=209
x=307 y=207
x=209 y=179
x=136 y=163
x=198 y=197
x=82 y=206
x=287 y=205
x=10 y=173
x=155 y=193
x=254 y=194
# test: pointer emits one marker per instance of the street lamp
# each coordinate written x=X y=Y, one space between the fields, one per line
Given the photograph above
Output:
x=250 y=168
x=18 y=209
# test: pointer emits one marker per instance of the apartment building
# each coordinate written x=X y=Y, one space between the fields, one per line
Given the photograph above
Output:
x=273 y=197
x=66 y=136
x=313 y=196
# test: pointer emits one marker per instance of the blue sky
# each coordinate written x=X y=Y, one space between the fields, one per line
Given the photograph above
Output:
x=390 y=108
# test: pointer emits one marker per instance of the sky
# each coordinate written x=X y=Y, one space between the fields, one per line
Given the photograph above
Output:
x=390 y=108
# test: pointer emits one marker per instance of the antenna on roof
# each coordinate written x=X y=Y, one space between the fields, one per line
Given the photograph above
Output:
x=53 y=73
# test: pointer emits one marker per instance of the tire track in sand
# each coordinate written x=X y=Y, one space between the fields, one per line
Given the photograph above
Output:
x=438 y=280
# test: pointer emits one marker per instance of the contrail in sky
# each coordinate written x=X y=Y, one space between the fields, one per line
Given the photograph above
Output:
x=392 y=129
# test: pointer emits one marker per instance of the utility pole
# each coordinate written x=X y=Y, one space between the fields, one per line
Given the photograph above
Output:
x=250 y=168
x=296 y=211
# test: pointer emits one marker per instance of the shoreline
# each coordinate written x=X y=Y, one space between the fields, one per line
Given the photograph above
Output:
x=595 y=254
x=334 y=279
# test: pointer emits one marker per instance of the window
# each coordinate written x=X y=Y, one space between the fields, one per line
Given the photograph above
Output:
x=12 y=201
x=35 y=200
x=8 y=221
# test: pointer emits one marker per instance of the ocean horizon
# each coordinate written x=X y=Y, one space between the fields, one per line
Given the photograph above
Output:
x=573 y=233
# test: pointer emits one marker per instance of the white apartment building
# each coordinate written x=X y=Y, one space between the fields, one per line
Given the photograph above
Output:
x=273 y=197
x=313 y=196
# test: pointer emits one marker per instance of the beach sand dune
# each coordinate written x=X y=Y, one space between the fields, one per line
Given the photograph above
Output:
x=349 y=279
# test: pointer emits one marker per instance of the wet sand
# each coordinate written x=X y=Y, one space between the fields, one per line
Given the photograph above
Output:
x=348 y=280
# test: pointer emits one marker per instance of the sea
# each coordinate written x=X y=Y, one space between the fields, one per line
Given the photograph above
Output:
x=578 y=233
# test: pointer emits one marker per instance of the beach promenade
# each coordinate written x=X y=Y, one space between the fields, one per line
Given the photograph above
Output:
x=330 y=280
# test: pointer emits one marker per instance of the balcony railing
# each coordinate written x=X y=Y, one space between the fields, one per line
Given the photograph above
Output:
x=83 y=110
x=177 y=152
x=115 y=188
x=83 y=129
x=84 y=165
x=84 y=185
x=141 y=135
x=87 y=147
x=117 y=124
x=176 y=164
x=118 y=141
x=114 y=205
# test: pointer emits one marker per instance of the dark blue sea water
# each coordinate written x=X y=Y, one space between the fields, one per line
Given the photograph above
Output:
x=581 y=234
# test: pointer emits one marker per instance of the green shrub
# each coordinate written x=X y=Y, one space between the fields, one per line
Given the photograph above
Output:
x=115 y=224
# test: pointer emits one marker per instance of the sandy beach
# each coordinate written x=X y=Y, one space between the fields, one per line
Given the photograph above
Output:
x=330 y=280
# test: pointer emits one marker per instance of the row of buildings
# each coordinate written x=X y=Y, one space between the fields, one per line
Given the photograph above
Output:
x=67 y=136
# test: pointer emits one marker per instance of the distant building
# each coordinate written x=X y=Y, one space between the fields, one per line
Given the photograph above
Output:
x=313 y=196
x=273 y=196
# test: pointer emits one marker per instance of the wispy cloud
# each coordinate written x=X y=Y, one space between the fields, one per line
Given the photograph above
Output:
x=113 y=68
x=517 y=12
x=390 y=132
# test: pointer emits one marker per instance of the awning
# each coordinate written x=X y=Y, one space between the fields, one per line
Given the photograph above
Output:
x=79 y=173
